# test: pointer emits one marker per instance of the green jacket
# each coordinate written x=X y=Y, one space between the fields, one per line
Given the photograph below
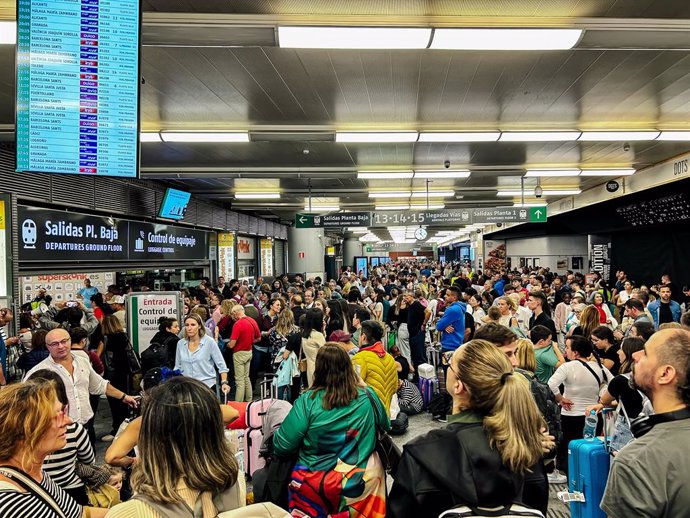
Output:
x=324 y=436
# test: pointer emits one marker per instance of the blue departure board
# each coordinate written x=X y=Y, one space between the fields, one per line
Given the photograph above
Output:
x=78 y=87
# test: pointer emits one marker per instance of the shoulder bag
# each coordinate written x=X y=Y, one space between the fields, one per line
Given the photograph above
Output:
x=388 y=451
x=33 y=487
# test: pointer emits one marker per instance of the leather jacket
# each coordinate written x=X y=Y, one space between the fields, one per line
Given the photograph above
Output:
x=451 y=466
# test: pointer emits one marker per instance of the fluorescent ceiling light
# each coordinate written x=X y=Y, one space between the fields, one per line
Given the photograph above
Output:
x=546 y=192
x=432 y=194
x=505 y=39
x=257 y=195
x=535 y=204
x=8 y=33
x=390 y=194
x=353 y=37
x=551 y=172
x=150 y=136
x=365 y=137
x=674 y=135
x=539 y=136
x=203 y=136
x=442 y=173
x=432 y=206
x=358 y=230
x=391 y=207
x=322 y=208
x=459 y=136
x=384 y=175
x=618 y=136
x=607 y=172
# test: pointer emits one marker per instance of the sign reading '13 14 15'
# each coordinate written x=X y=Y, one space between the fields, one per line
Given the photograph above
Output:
x=78 y=86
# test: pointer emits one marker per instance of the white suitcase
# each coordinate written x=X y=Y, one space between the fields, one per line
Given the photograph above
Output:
x=426 y=370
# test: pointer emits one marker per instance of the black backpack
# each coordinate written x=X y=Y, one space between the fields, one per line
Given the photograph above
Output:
x=155 y=356
x=548 y=406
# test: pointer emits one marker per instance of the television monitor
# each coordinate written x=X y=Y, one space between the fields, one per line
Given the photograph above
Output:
x=77 y=87
x=174 y=204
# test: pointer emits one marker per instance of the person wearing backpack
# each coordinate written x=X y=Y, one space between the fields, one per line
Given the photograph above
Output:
x=583 y=379
x=164 y=343
x=480 y=458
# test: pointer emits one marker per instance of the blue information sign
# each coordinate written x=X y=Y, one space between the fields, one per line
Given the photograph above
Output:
x=78 y=87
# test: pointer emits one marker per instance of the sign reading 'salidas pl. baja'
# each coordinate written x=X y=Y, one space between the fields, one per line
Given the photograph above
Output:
x=51 y=235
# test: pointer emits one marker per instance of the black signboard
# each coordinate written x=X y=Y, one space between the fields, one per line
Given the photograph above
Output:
x=148 y=241
x=57 y=236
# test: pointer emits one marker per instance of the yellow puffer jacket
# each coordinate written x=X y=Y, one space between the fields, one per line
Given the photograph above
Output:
x=378 y=370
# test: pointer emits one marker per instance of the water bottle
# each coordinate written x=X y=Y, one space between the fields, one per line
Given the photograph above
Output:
x=590 y=430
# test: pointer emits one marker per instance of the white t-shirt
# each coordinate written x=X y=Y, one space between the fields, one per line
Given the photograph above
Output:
x=580 y=386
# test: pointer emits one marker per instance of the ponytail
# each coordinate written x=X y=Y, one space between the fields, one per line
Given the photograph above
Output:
x=512 y=424
x=512 y=421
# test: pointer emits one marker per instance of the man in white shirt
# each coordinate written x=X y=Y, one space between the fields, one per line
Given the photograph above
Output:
x=79 y=377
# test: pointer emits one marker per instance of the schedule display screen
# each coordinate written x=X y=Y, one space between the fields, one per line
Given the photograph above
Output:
x=78 y=87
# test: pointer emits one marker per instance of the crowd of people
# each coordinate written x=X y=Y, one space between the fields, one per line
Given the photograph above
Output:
x=521 y=358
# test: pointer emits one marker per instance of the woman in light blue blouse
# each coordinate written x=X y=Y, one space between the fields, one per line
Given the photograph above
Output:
x=198 y=355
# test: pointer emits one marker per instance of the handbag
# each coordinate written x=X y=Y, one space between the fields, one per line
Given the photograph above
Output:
x=104 y=496
x=32 y=487
x=302 y=363
x=388 y=451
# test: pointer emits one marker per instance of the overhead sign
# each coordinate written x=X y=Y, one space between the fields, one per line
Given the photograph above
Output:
x=143 y=311
x=336 y=219
x=246 y=248
x=510 y=215
x=51 y=235
x=226 y=255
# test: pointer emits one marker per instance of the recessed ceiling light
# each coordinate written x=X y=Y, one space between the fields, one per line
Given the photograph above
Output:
x=432 y=194
x=204 y=136
x=545 y=192
x=257 y=195
x=674 y=135
x=365 y=137
x=617 y=136
x=607 y=172
x=505 y=39
x=539 y=136
x=441 y=173
x=390 y=194
x=551 y=172
x=392 y=207
x=459 y=136
x=8 y=32
x=354 y=37
x=150 y=136
x=384 y=175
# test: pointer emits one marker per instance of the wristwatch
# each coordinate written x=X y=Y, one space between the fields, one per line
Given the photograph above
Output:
x=224 y=383
x=124 y=395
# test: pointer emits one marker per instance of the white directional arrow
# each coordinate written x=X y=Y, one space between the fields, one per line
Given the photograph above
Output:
x=538 y=214
x=302 y=220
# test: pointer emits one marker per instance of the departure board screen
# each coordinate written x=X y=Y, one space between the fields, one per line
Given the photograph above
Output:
x=78 y=87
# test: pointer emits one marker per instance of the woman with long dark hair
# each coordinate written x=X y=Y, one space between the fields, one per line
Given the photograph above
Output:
x=332 y=428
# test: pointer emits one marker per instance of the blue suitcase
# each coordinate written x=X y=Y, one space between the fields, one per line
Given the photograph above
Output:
x=588 y=471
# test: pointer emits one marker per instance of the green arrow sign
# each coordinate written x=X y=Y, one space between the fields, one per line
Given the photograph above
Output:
x=304 y=221
x=368 y=249
x=537 y=214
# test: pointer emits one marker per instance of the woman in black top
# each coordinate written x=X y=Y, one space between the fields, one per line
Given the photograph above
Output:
x=619 y=388
x=116 y=369
x=605 y=344
x=335 y=320
x=167 y=336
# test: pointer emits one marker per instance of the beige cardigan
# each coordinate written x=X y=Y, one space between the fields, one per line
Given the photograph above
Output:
x=310 y=346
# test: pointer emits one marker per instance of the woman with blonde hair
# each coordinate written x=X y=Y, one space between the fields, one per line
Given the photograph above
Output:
x=507 y=306
x=491 y=441
x=589 y=321
x=184 y=463
x=33 y=424
x=524 y=353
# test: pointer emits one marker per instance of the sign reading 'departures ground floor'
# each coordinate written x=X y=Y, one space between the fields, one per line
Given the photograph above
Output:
x=465 y=216
x=143 y=311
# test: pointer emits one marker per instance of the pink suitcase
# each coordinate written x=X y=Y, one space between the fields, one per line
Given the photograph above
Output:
x=253 y=435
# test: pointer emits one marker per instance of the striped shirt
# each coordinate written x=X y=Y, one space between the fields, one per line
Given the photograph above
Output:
x=60 y=465
x=15 y=503
x=410 y=397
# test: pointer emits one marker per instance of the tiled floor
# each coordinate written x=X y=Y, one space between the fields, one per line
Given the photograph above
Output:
x=419 y=425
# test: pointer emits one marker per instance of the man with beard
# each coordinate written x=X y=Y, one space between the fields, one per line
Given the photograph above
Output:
x=649 y=476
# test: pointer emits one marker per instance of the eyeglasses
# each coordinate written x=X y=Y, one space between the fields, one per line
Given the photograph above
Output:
x=64 y=341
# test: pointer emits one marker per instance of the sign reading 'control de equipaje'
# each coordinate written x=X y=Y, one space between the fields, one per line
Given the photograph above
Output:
x=51 y=235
